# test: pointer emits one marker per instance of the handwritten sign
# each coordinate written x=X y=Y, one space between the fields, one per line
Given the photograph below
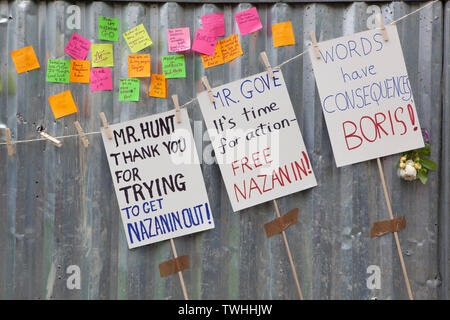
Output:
x=102 y=55
x=178 y=39
x=174 y=66
x=101 y=79
x=58 y=71
x=77 y=47
x=214 y=60
x=158 y=86
x=283 y=34
x=231 y=48
x=108 y=29
x=214 y=23
x=25 y=59
x=62 y=104
x=256 y=140
x=157 y=178
x=137 y=38
x=138 y=65
x=80 y=71
x=204 y=42
x=366 y=96
x=128 y=89
x=248 y=21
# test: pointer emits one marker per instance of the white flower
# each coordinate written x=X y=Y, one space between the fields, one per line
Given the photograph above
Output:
x=409 y=173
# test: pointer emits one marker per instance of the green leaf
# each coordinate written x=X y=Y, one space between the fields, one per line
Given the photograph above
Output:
x=423 y=177
x=427 y=163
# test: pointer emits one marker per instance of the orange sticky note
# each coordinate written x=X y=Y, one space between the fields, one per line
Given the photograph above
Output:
x=80 y=71
x=25 y=59
x=231 y=48
x=138 y=65
x=283 y=34
x=62 y=104
x=214 y=60
x=158 y=86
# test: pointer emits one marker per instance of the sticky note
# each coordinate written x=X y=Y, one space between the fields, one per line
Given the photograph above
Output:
x=204 y=42
x=178 y=39
x=137 y=38
x=77 y=47
x=25 y=59
x=80 y=71
x=283 y=34
x=58 y=71
x=62 y=104
x=214 y=60
x=108 y=28
x=128 y=89
x=138 y=65
x=101 y=79
x=214 y=23
x=248 y=21
x=231 y=48
x=174 y=66
x=102 y=55
x=158 y=86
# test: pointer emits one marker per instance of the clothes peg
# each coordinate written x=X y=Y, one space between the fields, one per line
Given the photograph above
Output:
x=314 y=43
x=208 y=88
x=106 y=126
x=177 y=108
x=82 y=134
x=53 y=140
x=8 y=142
x=383 y=28
x=265 y=60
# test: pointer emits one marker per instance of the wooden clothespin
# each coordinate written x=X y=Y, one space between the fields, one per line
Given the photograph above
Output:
x=53 y=140
x=82 y=134
x=8 y=142
x=265 y=60
x=177 y=108
x=314 y=43
x=383 y=28
x=208 y=88
x=106 y=126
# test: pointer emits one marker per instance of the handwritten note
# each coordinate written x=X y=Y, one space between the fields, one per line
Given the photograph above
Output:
x=204 y=42
x=108 y=28
x=248 y=21
x=158 y=86
x=214 y=60
x=214 y=23
x=138 y=65
x=128 y=89
x=101 y=79
x=137 y=38
x=77 y=47
x=174 y=66
x=80 y=71
x=231 y=48
x=62 y=104
x=102 y=55
x=283 y=34
x=58 y=71
x=25 y=59
x=178 y=39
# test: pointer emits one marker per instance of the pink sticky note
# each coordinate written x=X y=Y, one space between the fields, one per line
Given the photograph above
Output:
x=101 y=79
x=178 y=39
x=248 y=21
x=214 y=23
x=77 y=47
x=204 y=42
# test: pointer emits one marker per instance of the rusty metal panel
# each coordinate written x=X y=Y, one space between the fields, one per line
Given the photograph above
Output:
x=58 y=208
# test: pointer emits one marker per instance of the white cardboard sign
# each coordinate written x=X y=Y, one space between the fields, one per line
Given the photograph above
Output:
x=256 y=140
x=157 y=178
x=366 y=96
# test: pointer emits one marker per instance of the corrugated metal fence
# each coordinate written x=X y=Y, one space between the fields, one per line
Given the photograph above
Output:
x=58 y=207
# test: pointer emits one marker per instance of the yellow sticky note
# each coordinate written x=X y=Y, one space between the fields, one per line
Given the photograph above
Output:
x=62 y=104
x=80 y=71
x=138 y=65
x=283 y=34
x=25 y=59
x=231 y=48
x=158 y=86
x=137 y=38
x=214 y=60
x=102 y=55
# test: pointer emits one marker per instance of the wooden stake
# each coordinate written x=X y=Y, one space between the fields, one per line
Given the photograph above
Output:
x=291 y=261
x=180 y=274
x=397 y=241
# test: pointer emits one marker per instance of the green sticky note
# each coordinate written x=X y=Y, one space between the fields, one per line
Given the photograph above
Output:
x=108 y=28
x=102 y=55
x=58 y=71
x=128 y=89
x=174 y=66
